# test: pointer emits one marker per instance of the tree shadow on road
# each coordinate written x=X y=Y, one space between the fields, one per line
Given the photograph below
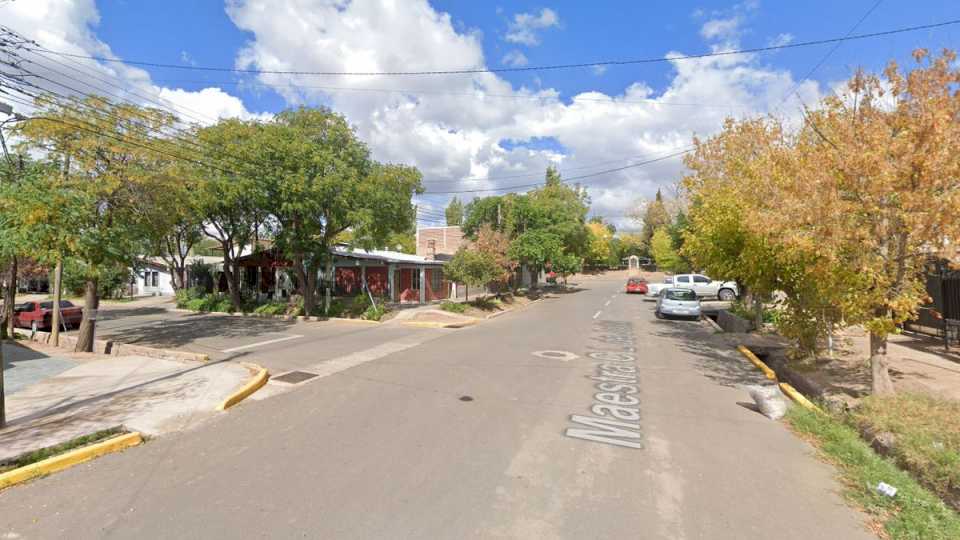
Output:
x=173 y=333
x=712 y=356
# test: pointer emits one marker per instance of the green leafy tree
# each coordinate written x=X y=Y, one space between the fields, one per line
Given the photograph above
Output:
x=454 y=212
x=472 y=267
x=664 y=252
x=320 y=182
x=110 y=162
x=230 y=196
x=653 y=216
x=536 y=248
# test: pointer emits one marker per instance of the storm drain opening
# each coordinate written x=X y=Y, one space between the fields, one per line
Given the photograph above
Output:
x=294 y=377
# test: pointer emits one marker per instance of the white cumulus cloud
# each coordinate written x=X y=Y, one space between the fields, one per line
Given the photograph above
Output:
x=514 y=58
x=524 y=26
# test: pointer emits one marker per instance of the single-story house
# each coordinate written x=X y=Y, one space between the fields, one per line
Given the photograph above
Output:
x=400 y=277
x=154 y=278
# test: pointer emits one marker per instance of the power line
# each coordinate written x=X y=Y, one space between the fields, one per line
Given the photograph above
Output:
x=566 y=180
x=524 y=68
x=830 y=52
x=479 y=95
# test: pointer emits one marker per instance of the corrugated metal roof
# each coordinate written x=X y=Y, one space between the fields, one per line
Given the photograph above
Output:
x=380 y=255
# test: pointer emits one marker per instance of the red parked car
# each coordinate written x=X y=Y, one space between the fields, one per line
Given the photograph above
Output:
x=636 y=285
x=39 y=315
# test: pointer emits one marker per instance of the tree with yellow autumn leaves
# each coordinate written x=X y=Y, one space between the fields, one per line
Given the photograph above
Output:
x=841 y=215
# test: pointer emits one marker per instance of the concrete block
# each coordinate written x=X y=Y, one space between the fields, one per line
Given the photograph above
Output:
x=732 y=323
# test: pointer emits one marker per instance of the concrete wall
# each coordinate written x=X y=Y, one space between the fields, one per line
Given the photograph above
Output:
x=732 y=323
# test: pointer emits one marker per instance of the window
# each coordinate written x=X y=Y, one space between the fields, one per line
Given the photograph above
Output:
x=436 y=279
x=682 y=279
x=154 y=278
x=681 y=294
x=415 y=278
x=701 y=279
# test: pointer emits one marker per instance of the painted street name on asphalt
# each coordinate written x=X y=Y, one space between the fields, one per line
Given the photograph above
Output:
x=615 y=407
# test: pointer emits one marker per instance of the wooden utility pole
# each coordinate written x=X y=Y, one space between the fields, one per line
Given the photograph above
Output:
x=57 y=293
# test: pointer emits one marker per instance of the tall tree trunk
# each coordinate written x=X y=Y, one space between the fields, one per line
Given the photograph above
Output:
x=91 y=304
x=233 y=282
x=310 y=290
x=57 y=295
x=9 y=298
x=881 y=383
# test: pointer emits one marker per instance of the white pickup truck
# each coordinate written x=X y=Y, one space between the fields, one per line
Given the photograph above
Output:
x=700 y=284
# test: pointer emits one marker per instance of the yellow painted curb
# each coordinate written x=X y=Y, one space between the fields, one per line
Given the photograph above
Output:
x=255 y=384
x=786 y=388
x=343 y=319
x=799 y=398
x=69 y=459
x=757 y=362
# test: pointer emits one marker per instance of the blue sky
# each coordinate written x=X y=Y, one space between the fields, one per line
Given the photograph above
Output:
x=493 y=131
x=164 y=31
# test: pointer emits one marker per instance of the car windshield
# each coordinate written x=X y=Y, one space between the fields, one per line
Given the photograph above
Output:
x=668 y=280
x=681 y=294
x=49 y=305
x=635 y=281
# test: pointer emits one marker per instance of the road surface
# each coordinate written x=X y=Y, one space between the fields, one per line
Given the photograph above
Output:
x=503 y=430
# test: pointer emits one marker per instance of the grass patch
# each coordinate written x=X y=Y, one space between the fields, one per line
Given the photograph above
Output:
x=51 y=451
x=486 y=304
x=915 y=512
x=927 y=437
x=454 y=307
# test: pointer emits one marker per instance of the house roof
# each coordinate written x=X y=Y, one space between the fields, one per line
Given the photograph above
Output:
x=382 y=255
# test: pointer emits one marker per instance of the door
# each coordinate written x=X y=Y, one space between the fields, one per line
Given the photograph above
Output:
x=701 y=285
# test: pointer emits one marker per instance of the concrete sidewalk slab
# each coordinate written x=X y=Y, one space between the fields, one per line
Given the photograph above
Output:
x=143 y=394
x=24 y=367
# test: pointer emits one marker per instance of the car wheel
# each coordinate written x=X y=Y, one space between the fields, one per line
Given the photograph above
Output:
x=727 y=295
x=657 y=314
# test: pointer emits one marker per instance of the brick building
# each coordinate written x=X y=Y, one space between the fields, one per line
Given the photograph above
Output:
x=439 y=243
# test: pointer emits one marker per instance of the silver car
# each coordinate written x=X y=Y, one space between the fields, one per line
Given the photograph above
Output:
x=675 y=302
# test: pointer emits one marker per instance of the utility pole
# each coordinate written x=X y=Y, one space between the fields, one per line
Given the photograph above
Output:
x=12 y=283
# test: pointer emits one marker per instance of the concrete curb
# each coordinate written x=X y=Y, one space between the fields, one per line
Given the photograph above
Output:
x=428 y=324
x=69 y=459
x=303 y=318
x=712 y=323
x=116 y=348
x=246 y=390
x=786 y=388
x=757 y=362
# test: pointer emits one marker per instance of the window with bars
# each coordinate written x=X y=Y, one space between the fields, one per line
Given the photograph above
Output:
x=436 y=279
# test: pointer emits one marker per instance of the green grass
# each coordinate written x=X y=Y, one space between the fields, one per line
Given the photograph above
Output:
x=915 y=512
x=44 y=453
x=927 y=432
x=453 y=307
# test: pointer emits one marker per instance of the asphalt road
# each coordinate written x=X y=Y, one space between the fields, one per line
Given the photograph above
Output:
x=469 y=434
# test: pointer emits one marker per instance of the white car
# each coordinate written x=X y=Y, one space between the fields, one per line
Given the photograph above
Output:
x=706 y=287
x=677 y=302
x=653 y=289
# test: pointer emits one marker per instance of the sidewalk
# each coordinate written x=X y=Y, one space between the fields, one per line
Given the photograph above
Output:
x=143 y=394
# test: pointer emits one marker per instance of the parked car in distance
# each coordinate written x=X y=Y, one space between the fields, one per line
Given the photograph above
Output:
x=653 y=289
x=705 y=287
x=39 y=315
x=677 y=302
x=636 y=285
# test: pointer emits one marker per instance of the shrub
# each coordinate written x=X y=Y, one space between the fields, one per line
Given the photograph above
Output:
x=271 y=308
x=374 y=313
x=336 y=309
x=453 y=307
